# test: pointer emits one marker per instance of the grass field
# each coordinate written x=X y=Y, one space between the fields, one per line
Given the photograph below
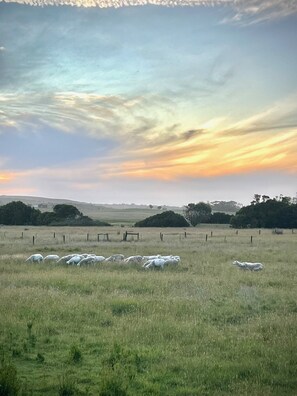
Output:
x=202 y=328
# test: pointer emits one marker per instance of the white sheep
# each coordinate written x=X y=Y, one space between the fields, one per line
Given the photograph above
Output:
x=115 y=258
x=51 y=257
x=158 y=262
x=75 y=260
x=35 y=258
x=133 y=260
x=248 y=266
x=91 y=260
x=64 y=259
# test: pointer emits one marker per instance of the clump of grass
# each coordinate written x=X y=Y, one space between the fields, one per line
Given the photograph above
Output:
x=113 y=383
x=120 y=308
x=40 y=358
x=67 y=387
x=75 y=355
x=9 y=382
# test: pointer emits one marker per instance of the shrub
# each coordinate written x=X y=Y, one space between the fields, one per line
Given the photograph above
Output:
x=9 y=382
x=165 y=219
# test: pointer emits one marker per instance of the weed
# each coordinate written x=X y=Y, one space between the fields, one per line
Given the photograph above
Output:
x=66 y=386
x=9 y=382
x=40 y=358
x=75 y=354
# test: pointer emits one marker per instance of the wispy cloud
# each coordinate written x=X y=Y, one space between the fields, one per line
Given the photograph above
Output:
x=246 y=11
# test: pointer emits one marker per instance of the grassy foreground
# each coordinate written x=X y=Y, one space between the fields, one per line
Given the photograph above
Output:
x=203 y=328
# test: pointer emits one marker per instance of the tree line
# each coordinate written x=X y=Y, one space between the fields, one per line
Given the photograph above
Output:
x=18 y=213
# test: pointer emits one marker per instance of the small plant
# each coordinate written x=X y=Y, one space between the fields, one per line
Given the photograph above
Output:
x=75 y=354
x=113 y=384
x=40 y=358
x=9 y=382
x=66 y=387
x=31 y=337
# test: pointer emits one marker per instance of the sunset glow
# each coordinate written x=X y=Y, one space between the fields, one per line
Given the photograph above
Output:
x=123 y=101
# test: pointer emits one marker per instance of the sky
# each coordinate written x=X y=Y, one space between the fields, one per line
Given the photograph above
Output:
x=150 y=102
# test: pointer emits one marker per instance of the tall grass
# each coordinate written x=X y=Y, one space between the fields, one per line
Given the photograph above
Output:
x=202 y=328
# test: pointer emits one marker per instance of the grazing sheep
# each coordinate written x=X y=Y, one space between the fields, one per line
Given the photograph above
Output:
x=91 y=260
x=64 y=259
x=248 y=266
x=98 y=259
x=156 y=256
x=154 y=263
x=133 y=260
x=51 y=257
x=115 y=258
x=75 y=259
x=35 y=258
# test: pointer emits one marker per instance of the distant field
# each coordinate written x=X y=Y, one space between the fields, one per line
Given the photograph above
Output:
x=202 y=328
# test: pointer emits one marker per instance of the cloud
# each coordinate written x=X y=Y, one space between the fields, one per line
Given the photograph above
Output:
x=243 y=11
x=2 y=49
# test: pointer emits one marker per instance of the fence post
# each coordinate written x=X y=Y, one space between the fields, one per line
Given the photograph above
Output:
x=236 y=232
x=185 y=234
x=206 y=236
x=211 y=233
x=161 y=236
x=251 y=239
x=22 y=237
x=259 y=232
x=33 y=239
x=64 y=238
x=54 y=235
x=225 y=239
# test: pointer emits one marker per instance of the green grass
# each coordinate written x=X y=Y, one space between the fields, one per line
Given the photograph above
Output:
x=202 y=328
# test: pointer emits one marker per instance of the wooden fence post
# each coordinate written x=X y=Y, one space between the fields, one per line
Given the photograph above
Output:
x=64 y=238
x=206 y=236
x=33 y=239
x=161 y=236
x=251 y=239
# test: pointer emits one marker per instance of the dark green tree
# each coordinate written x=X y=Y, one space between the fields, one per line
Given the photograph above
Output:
x=17 y=213
x=63 y=211
x=197 y=213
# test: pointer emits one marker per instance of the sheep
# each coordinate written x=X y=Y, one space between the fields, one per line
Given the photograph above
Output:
x=173 y=260
x=75 y=259
x=35 y=258
x=115 y=258
x=248 y=266
x=133 y=260
x=154 y=263
x=98 y=259
x=91 y=260
x=51 y=257
x=156 y=256
x=64 y=259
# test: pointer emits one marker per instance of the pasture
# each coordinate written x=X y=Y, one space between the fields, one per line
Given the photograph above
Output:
x=204 y=327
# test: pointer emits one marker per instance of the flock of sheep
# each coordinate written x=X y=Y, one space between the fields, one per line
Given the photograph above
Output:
x=156 y=261
x=89 y=259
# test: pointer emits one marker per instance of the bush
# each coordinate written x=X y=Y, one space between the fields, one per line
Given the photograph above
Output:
x=9 y=382
x=165 y=219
